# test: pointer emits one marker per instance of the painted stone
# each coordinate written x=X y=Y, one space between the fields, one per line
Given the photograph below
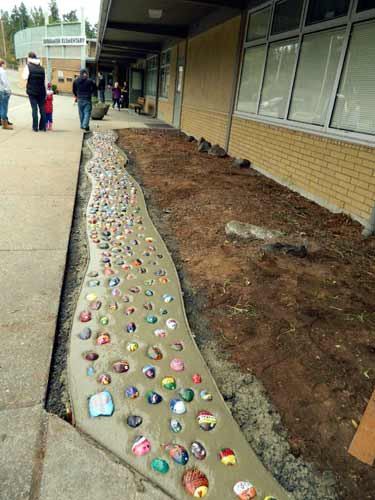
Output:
x=227 y=456
x=149 y=239
x=116 y=292
x=103 y=339
x=149 y=371
x=120 y=366
x=163 y=312
x=101 y=404
x=159 y=332
x=113 y=282
x=130 y=310
x=171 y=324
x=160 y=465
x=85 y=334
x=198 y=450
x=135 y=289
x=153 y=398
x=160 y=272
x=131 y=327
x=141 y=446
x=132 y=346
x=85 y=316
x=206 y=420
x=177 y=406
x=205 y=395
x=168 y=298
x=195 y=483
x=177 y=346
x=134 y=421
x=151 y=319
x=104 y=320
x=93 y=283
x=175 y=425
x=149 y=306
x=149 y=282
x=244 y=490
x=196 y=378
x=270 y=498
x=131 y=392
x=149 y=293
x=108 y=271
x=153 y=352
x=91 y=356
x=177 y=365
x=178 y=453
x=92 y=274
x=91 y=297
x=95 y=305
x=104 y=379
x=164 y=280
x=90 y=371
x=169 y=383
x=187 y=395
x=113 y=306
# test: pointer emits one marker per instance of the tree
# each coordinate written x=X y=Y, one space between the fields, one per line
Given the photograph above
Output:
x=70 y=17
x=24 y=17
x=37 y=16
x=54 y=16
x=91 y=30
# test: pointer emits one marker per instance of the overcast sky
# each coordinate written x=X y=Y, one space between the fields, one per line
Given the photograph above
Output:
x=91 y=7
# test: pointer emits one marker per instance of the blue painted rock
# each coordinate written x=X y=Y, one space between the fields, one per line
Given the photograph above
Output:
x=177 y=406
x=153 y=398
x=198 y=450
x=131 y=392
x=134 y=421
x=168 y=298
x=85 y=334
x=114 y=282
x=205 y=395
x=151 y=319
x=178 y=453
x=131 y=327
x=101 y=404
x=160 y=465
x=175 y=425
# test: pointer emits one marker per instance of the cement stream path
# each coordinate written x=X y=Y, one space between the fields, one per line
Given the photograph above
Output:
x=138 y=383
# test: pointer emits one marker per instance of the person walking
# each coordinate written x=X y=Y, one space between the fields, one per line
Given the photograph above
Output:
x=5 y=92
x=116 y=96
x=83 y=89
x=35 y=77
x=49 y=107
x=125 y=95
x=101 y=86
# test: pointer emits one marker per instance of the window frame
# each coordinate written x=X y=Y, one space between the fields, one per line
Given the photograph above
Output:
x=149 y=70
x=165 y=63
x=344 y=21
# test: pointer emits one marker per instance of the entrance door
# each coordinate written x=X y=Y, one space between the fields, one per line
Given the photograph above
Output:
x=178 y=92
x=135 y=85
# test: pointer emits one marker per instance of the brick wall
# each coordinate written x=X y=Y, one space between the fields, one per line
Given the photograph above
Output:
x=210 y=123
x=335 y=173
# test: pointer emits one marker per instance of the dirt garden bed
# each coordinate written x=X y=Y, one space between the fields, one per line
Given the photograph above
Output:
x=304 y=327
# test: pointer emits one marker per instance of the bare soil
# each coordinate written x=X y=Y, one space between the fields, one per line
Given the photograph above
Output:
x=303 y=326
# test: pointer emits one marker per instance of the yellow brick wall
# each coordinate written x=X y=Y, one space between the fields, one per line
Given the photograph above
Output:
x=337 y=174
x=208 y=123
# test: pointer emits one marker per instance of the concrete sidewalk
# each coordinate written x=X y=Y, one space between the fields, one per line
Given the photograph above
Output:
x=42 y=457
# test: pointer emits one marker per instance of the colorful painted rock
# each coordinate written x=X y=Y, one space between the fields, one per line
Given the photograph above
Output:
x=153 y=352
x=151 y=319
x=131 y=392
x=177 y=346
x=149 y=371
x=104 y=320
x=104 y=379
x=101 y=405
x=93 y=283
x=168 y=298
x=270 y=498
x=103 y=339
x=196 y=378
x=244 y=490
x=149 y=293
x=134 y=421
x=171 y=324
x=159 y=332
x=160 y=465
x=91 y=356
x=198 y=450
x=130 y=310
x=175 y=425
x=177 y=406
x=91 y=297
x=178 y=453
x=227 y=456
x=205 y=395
x=177 y=365
x=153 y=398
x=141 y=446
x=120 y=366
x=85 y=334
x=169 y=383
x=195 y=483
x=132 y=346
x=113 y=282
x=187 y=395
x=85 y=316
x=131 y=327
x=206 y=420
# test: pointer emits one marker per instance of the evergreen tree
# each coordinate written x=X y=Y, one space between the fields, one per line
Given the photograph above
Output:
x=54 y=16
x=91 y=30
x=24 y=17
x=37 y=16
x=70 y=17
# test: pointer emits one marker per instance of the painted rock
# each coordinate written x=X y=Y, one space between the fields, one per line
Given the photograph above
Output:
x=177 y=365
x=175 y=425
x=168 y=298
x=151 y=319
x=101 y=404
x=113 y=306
x=93 y=283
x=141 y=446
x=244 y=490
x=178 y=453
x=132 y=346
x=187 y=395
x=163 y=312
x=164 y=280
x=134 y=289
x=149 y=282
x=149 y=293
x=120 y=366
x=149 y=371
x=130 y=310
x=131 y=327
x=149 y=239
x=270 y=498
x=104 y=320
x=171 y=324
x=134 y=421
x=177 y=406
x=95 y=305
x=91 y=356
x=227 y=456
x=195 y=483
x=149 y=306
x=103 y=339
x=85 y=334
x=92 y=274
x=109 y=272
x=153 y=352
x=85 y=316
x=206 y=420
x=113 y=282
x=169 y=383
x=205 y=395
x=160 y=465
x=116 y=292
x=196 y=378
x=153 y=398
x=104 y=379
x=91 y=297
x=131 y=392
x=198 y=450
x=159 y=332
x=177 y=346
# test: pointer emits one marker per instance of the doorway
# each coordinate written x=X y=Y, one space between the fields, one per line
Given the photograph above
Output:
x=136 y=84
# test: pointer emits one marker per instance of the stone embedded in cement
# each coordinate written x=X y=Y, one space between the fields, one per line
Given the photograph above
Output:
x=195 y=483
x=249 y=231
x=198 y=450
x=101 y=405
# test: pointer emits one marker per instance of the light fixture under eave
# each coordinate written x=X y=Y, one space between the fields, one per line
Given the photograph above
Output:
x=155 y=13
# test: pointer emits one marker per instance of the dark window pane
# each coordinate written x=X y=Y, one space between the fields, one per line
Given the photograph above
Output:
x=287 y=16
x=324 y=10
x=365 y=5
x=258 y=24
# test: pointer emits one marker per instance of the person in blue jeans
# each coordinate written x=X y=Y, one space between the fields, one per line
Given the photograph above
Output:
x=35 y=77
x=4 y=96
x=83 y=90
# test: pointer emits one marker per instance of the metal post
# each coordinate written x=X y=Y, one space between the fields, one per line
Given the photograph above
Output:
x=3 y=37
x=157 y=88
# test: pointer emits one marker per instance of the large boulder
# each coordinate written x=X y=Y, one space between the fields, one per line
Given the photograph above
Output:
x=217 y=151
x=204 y=146
x=241 y=163
x=250 y=232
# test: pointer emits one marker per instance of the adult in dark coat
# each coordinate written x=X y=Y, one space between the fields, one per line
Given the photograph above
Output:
x=35 y=77
x=83 y=90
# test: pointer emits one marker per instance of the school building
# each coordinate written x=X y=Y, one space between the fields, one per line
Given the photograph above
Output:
x=63 y=49
x=287 y=84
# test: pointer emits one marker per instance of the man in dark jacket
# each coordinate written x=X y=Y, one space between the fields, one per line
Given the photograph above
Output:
x=35 y=77
x=83 y=89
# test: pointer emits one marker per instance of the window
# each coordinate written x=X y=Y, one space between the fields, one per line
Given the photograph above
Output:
x=152 y=76
x=287 y=16
x=278 y=78
x=69 y=79
x=165 y=71
x=61 y=80
x=355 y=101
x=258 y=24
x=251 y=78
x=323 y=10
x=320 y=55
x=365 y=5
